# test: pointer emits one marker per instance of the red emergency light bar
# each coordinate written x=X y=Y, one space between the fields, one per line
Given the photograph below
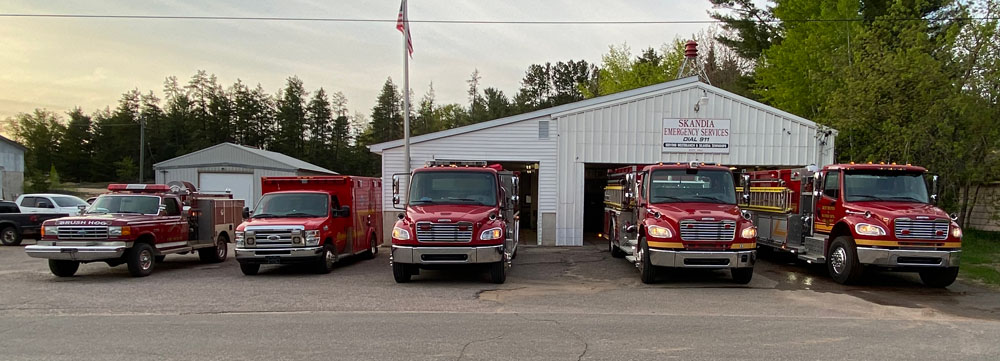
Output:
x=139 y=187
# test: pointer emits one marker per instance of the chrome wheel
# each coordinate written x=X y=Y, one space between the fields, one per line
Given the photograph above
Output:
x=9 y=236
x=639 y=255
x=330 y=258
x=374 y=249
x=221 y=249
x=837 y=259
x=145 y=259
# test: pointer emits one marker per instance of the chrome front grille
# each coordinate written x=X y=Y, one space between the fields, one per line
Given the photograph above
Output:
x=273 y=237
x=75 y=232
x=933 y=229
x=692 y=230
x=444 y=232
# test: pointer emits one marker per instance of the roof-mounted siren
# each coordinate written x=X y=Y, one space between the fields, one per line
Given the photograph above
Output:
x=691 y=66
x=138 y=188
x=456 y=163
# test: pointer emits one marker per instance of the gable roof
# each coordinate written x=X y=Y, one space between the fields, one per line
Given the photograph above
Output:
x=583 y=105
x=290 y=162
x=11 y=142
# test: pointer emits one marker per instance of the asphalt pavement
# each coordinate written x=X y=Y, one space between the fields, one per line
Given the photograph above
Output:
x=572 y=303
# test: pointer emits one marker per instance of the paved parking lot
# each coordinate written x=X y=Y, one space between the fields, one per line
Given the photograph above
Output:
x=558 y=303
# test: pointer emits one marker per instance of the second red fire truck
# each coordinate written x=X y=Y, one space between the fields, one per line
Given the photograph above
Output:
x=856 y=216
x=682 y=215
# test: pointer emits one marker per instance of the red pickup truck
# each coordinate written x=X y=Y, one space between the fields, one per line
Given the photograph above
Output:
x=312 y=220
x=138 y=225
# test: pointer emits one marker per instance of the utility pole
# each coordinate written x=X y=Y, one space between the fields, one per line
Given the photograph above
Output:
x=142 y=144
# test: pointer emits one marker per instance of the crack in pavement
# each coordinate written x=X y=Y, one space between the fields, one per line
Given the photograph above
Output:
x=586 y=345
x=462 y=354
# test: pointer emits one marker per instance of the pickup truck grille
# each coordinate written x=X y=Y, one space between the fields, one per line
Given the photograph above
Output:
x=692 y=230
x=444 y=232
x=936 y=229
x=74 y=233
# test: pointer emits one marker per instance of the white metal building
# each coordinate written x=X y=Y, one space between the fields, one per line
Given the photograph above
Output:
x=567 y=149
x=11 y=169
x=232 y=167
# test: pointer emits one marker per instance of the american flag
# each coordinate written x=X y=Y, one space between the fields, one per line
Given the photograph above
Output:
x=403 y=25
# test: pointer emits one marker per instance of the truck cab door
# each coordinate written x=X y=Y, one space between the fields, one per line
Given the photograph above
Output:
x=342 y=226
x=174 y=224
x=827 y=202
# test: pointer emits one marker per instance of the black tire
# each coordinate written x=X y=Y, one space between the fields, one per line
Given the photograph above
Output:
x=63 y=268
x=401 y=272
x=160 y=258
x=372 y=248
x=842 y=263
x=9 y=236
x=140 y=259
x=647 y=271
x=249 y=269
x=216 y=254
x=742 y=275
x=498 y=272
x=615 y=251
x=325 y=263
x=939 y=277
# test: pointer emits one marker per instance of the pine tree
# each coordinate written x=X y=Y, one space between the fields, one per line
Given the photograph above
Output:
x=76 y=148
x=291 y=119
x=387 y=115
x=319 y=121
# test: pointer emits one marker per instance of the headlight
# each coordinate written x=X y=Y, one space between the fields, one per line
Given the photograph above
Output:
x=50 y=231
x=312 y=238
x=956 y=232
x=239 y=239
x=400 y=234
x=659 y=232
x=491 y=234
x=119 y=231
x=749 y=233
x=869 y=229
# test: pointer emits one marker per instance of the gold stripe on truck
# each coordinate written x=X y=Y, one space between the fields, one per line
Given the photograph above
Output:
x=872 y=242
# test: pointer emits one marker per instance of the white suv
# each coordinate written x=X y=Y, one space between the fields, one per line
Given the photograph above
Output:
x=50 y=203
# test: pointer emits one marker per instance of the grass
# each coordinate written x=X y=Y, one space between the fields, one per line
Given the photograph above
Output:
x=981 y=257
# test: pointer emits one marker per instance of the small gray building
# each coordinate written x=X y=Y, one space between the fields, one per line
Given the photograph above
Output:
x=11 y=169
x=233 y=167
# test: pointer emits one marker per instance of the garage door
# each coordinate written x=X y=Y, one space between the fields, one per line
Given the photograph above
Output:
x=240 y=184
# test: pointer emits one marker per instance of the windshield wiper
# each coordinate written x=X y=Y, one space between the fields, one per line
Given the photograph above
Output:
x=865 y=196
x=263 y=215
x=465 y=200
x=422 y=201
x=668 y=198
x=129 y=212
x=712 y=199
x=301 y=214
x=905 y=198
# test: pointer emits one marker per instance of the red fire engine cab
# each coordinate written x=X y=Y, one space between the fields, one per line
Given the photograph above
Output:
x=456 y=213
x=856 y=216
x=138 y=225
x=682 y=215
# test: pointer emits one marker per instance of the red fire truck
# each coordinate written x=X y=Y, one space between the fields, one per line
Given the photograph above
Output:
x=682 y=215
x=313 y=220
x=138 y=225
x=457 y=213
x=854 y=216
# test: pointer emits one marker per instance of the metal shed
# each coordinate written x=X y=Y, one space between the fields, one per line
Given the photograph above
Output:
x=233 y=167
x=11 y=169
x=566 y=150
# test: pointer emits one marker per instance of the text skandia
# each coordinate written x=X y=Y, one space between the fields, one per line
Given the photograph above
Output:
x=702 y=127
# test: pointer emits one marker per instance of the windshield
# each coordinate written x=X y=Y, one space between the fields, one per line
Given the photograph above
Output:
x=885 y=186
x=68 y=201
x=691 y=185
x=292 y=205
x=453 y=188
x=126 y=204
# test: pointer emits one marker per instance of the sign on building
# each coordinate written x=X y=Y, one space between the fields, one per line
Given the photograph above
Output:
x=686 y=135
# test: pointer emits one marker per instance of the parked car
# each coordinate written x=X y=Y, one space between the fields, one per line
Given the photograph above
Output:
x=50 y=203
x=14 y=225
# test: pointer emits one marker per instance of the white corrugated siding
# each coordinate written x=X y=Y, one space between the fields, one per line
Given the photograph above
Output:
x=515 y=142
x=191 y=175
x=629 y=132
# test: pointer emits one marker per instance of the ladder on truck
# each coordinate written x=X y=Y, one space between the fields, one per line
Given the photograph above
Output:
x=769 y=199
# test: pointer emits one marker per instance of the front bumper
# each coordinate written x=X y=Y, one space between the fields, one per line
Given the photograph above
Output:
x=696 y=259
x=279 y=255
x=446 y=255
x=908 y=258
x=78 y=250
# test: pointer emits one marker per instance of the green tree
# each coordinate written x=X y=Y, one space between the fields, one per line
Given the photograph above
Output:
x=75 y=148
x=619 y=71
x=319 y=121
x=291 y=119
x=425 y=122
x=40 y=133
x=497 y=104
x=387 y=115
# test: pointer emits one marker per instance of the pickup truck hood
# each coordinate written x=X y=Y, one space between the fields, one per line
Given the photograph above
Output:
x=309 y=223
x=100 y=220
x=449 y=213
x=893 y=210
x=682 y=211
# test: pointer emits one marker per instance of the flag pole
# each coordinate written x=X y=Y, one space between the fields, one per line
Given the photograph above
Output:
x=406 y=89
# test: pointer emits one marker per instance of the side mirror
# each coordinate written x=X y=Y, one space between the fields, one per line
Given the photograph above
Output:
x=746 y=188
x=395 y=199
x=934 y=189
x=395 y=185
x=82 y=208
x=345 y=211
x=246 y=212
x=503 y=198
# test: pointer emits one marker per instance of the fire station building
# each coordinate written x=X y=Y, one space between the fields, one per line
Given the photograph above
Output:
x=563 y=153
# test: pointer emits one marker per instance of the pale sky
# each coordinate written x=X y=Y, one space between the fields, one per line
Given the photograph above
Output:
x=62 y=63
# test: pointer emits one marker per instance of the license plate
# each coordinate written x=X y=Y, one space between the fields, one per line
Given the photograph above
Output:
x=273 y=259
x=68 y=250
